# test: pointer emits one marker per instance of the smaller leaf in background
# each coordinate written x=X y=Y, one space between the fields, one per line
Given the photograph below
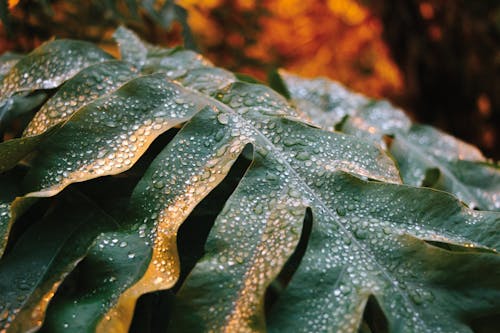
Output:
x=326 y=102
x=43 y=256
x=132 y=48
x=185 y=66
x=375 y=120
x=416 y=148
x=462 y=168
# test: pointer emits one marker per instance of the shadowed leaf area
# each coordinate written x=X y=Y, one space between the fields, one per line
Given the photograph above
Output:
x=218 y=205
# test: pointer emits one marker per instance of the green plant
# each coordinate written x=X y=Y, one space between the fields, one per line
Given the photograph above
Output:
x=127 y=166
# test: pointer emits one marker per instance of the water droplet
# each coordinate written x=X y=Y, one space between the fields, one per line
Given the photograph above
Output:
x=303 y=156
x=223 y=118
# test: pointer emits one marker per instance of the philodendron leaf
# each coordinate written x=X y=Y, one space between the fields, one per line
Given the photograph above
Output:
x=371 y=238
x=377 y=246
x=416 y=148
x=191 y=165
x=331 y=105
x=41 y=259
x=463 y=169
x=201 y=155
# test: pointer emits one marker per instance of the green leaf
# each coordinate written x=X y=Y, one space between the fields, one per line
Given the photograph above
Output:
x=324 y=101
x=113 y=131
x=367 y=239
x=33 y=270
x=378 y=248
x=87 y=85
x=193 y=163
x=14 y=150
x=416 y=148
x=463 y=169
x=50 y=65
x=375 y=120
x=415 y=252
x=215 y=137
x=7 y=61
x=132 y=49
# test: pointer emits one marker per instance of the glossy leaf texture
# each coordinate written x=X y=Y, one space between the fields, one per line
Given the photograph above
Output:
x=198 y=158
x=426 y=156
x=42 y=258
x=87 y=85
x=370 y=237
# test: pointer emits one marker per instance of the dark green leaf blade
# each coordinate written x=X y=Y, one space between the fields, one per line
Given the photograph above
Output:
x=215 y=137
x=43 y=256
x=463 y=169
x=416 y=148
x=373 y=244
x=13 y=151
x=115 y=132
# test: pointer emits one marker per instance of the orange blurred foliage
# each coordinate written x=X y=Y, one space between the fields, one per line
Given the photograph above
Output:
x=340 y=39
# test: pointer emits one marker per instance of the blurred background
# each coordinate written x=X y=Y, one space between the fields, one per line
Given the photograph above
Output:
x=437 y=59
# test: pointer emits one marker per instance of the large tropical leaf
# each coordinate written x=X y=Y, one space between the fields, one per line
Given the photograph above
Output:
x=371 y=238
x=424 y=154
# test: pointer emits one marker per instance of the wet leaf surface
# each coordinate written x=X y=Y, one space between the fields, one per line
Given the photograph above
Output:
x=429 y=263
x=416 y=148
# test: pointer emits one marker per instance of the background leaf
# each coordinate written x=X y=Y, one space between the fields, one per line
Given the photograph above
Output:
x=416 y=148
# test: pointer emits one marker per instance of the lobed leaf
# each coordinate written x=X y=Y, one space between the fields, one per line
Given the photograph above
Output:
x=462 y=168
x=417 y=149
x=197 y=159
x=398 y=245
